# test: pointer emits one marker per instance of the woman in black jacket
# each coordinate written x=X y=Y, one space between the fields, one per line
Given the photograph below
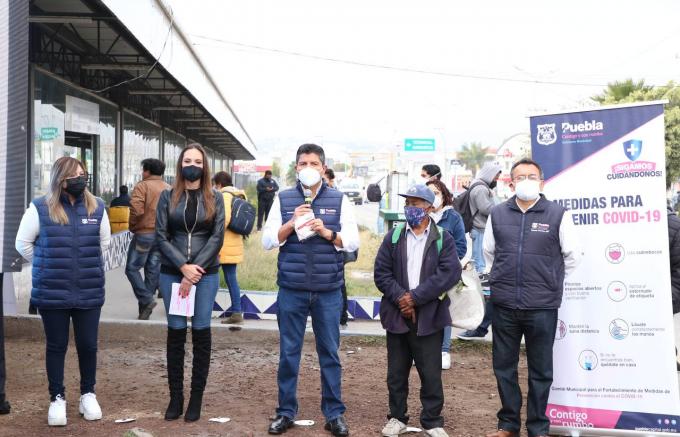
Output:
x=189 y=231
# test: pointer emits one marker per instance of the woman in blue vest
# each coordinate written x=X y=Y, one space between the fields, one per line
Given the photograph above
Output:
x=450 y=220
x=190 y=231
x=64 y=234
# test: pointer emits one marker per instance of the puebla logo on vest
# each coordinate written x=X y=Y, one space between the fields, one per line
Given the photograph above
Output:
x=328 y=211
x=89 y=221
x=540 y=227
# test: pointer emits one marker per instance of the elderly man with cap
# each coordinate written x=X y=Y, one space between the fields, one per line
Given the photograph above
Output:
x=415 y=266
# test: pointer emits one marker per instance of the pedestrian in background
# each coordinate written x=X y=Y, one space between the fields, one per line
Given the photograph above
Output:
x=481 y=202
x=430 y=172
x=266 y=191
x=329 y=177
x=231 y=253
x=123 y=198
x=448 y=219
x=416 y=265
x=310 y=281
x=64 y=235
x=190 y=232
x=119 y=211
x=143 y=251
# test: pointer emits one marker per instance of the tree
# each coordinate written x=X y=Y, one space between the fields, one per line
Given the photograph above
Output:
x=616 y=93
x=291 y=174
x=276 y=169
x=473 y=156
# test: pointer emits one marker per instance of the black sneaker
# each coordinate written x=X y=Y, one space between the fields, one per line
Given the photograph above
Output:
x=472 y=334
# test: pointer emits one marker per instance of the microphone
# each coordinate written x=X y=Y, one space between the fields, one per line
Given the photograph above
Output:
x=308 y=196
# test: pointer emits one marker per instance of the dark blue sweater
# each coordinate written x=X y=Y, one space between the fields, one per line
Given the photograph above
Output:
x=440 y=271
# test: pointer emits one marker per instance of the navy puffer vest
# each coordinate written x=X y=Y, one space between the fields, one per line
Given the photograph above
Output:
x=68 y=268
x=315 y=264
x=528 y=266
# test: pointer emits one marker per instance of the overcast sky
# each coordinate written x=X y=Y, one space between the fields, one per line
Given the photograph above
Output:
x=267 y=57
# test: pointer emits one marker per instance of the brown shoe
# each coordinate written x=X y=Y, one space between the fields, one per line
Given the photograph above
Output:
x=234 y=319
x=503 y=433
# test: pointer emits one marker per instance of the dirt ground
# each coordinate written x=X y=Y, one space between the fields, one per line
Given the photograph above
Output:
x=131 y=382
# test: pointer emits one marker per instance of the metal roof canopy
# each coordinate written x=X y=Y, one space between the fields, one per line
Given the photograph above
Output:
x=83 y=41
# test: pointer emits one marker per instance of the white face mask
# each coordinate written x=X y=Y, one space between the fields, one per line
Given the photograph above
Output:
x=309 y=177
x=528 y=190
x=437 y=202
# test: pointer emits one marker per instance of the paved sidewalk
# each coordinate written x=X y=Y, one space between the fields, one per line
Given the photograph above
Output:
x=121 y=305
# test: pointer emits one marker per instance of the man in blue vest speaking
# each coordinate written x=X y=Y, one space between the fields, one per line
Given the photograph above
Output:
x=531 y=244
x=310 y=279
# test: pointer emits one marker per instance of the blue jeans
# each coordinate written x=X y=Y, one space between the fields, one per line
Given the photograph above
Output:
x=85 y=331
x=293 y=309
x=538 y=328
x=143 y=254
x=446 y=342
x=232 y=283
x=478 y=249
x=206 y=291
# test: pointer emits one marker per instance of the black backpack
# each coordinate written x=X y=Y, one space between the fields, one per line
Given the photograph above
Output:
x=373 y=193
x=462 y=204
x=242 y=216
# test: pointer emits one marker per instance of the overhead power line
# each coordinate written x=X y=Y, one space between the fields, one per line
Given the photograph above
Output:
x=399 y=68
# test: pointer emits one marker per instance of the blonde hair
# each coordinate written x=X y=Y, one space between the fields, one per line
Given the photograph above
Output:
x=64 y=168
x=206 y=188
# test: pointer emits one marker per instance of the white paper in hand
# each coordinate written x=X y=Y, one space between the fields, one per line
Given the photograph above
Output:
x=182 y=306
x=303 y=228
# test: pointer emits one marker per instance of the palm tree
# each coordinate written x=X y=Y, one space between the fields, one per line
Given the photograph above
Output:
x=619 y=90
x=473 y=156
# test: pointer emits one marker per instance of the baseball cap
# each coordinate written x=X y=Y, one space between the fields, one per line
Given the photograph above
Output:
x=421 y=192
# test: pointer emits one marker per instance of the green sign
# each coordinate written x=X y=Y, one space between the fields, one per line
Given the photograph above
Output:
x=49 y=133
x=419 y=145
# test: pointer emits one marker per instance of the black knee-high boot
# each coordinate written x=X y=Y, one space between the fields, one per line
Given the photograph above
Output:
x=175 y=356
x=199 y=374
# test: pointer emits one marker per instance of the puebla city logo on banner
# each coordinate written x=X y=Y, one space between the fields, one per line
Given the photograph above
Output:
x=633 y=168
x=545 y=134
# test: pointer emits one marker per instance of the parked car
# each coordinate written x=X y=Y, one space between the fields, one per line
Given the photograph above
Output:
x=353 y=191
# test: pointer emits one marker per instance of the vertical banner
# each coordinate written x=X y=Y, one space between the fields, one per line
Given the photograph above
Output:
x=614 y=357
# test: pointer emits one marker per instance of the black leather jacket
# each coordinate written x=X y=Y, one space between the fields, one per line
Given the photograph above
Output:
x=177 y=245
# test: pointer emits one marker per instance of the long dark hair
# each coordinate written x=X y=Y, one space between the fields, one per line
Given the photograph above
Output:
x=447 y=197
x=206 y=189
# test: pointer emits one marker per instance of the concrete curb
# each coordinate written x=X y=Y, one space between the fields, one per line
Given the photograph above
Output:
x=28 y=327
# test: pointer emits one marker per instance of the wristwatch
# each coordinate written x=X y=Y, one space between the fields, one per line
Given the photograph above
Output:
x=334 y=235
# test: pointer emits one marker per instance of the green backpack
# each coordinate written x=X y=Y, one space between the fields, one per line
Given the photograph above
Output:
x=440 y=241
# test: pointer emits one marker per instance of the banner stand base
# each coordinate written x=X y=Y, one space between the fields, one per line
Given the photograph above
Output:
x=584 y=432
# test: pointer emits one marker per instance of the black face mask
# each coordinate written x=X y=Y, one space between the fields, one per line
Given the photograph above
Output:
x=492 y=185
x=192 y=173
x=76 y=186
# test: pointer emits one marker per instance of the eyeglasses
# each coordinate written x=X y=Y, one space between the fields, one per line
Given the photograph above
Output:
x=531 y=177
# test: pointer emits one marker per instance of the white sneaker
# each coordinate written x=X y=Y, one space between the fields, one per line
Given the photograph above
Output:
x=446 y=361
x=89 y=407
x=393 y=427
x=56 y=416
x=436 y=432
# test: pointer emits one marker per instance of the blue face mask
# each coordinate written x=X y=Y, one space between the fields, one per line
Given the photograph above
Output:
x=414 y=215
